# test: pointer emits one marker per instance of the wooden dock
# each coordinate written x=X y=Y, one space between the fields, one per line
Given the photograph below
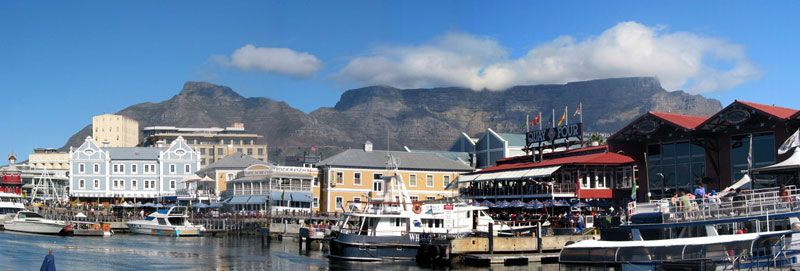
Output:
x=508 y=259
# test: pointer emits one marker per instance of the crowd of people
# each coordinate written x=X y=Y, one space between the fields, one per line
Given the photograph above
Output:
x=699 y=204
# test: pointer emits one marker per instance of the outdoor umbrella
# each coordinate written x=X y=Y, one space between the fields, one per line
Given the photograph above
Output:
x=215 y=205
x=201 y=205
x=158 y=205
x=518 y=203
x=579 y=204
x=170 y=205
x=504 y=204
x=487 y=203
x=149 y=204
x=534 y=204
x=562 y=203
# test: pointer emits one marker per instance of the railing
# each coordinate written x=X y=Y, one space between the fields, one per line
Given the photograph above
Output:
x=266 y=189
x=760 y=202
x=519 y=190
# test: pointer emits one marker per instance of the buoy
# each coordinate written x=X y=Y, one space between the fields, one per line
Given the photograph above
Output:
x=417 y=207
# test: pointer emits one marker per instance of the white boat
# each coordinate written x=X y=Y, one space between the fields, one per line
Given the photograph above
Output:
x=759 y=229
x=10 y=205
x=390 y=225
x=31 y=222
x=172 y=222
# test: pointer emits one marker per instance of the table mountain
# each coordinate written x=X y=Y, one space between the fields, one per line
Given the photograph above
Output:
x=418 y=118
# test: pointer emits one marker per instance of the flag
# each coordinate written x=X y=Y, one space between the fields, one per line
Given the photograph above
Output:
x=579 y=111
x=313 y=148
x=750 y=154
x=535 y=120
x=562 y=118
x=791 y=142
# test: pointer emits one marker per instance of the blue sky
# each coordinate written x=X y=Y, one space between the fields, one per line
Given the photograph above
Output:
x=62 y=62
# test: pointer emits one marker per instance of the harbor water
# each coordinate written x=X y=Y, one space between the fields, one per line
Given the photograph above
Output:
x=144 y=252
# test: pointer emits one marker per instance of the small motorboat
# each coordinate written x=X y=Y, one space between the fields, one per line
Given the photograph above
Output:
x=31 y=222
x=172 y=222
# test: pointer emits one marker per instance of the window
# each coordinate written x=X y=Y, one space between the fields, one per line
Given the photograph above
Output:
x=377 y=176
x=150 y=169
x=260 y=151
x=339 y=178
x=149 y=184
x=239 y=150
x=357 y=200
x=171 y=184
x=134 y=169
x=414 y=198
x=202 y=151
x=315 y=182
x=96 y=168
x=202 y=161
x=249 y=151
x=357 y=178
x=377 y=185
x=81 y=168
x=429 y=181
x=118 y=168
x=134 y=185
x=171 y=168
x=82 y=183
x=187 y=169
x=430 y=198
x=116 y=185
x=315 y=203
x=763 y=155
x=445 y=181
x=412 y=180
x=339 y=202
x=121 y=185
x=96 y=183
x=672 y=166
x=219 y=151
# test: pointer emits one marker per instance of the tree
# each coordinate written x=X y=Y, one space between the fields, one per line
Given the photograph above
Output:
x=595 y=137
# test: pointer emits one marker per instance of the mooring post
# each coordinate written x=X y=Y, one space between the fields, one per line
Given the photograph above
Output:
x=491 y=238
x=539 y=237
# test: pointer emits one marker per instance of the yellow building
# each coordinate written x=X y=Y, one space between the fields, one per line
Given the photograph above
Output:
x=117 y=130
x=227 y=168
x=348 y=176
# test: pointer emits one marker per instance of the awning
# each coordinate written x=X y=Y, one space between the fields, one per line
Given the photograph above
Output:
x=258 y=199
x=467 y=178
x=541 y=172
x=239 y=200
x=300 y=196
x=278 y=195
x=513 y=174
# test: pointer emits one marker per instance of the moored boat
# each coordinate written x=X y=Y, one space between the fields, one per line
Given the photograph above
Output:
x=31 y=222
x=171 y=222
x=10 y=204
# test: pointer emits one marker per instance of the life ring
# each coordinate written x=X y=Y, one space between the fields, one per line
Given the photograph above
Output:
x=106 y=227
x=417 y=207
x=96 y=226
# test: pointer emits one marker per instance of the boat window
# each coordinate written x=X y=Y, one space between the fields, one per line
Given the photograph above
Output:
x=30 y=215
x=634 y=254
x=602 y=254
x=669 y=253
x=574 y=255
x=693 y=252
x=176 y=220
x=161 y=221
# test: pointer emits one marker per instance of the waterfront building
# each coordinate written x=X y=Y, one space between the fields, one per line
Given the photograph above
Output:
x=305 y=160
x=212 y=143
x=48 y=158
x=490 y=147
x=107 y=174
x=280 y=188
x=117 y=130
x=355 y=174
x=584 y=173
x=224 y=170
x=675 y=152
x=32 y=181
x=10 y=177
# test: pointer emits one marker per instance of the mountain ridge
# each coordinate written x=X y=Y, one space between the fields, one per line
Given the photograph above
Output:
x=422 y=118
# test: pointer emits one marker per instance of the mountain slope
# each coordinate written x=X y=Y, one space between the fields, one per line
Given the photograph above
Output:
x=418 y=118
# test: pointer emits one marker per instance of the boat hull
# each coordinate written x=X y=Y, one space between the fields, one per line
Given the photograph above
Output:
x=373 y=248
x=34 y=227
x=141 y=228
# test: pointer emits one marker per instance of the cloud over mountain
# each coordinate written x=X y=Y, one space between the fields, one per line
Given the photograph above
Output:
x=681 y=60
x=280 y=60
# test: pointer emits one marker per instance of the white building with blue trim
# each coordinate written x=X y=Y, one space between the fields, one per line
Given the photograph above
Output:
x=108 y=174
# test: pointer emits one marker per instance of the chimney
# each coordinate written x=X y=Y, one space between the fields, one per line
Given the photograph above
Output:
x=105 y=143
x=160 y=143
x=368 y=146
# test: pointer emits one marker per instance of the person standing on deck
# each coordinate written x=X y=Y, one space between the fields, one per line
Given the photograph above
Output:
x=580 y=223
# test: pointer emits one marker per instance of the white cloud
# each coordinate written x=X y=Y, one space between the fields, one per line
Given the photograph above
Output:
x=279 y=60
x=680 y=60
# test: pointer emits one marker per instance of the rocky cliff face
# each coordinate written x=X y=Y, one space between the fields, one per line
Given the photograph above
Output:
x=418 y=118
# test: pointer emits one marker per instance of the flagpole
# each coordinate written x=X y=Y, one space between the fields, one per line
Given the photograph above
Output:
x=566 y=118
x=540 y=120
x=528 y=123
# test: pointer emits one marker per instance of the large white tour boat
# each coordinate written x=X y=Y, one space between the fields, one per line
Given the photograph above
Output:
x=390 y=225
x=172 y=222
x=10 y=204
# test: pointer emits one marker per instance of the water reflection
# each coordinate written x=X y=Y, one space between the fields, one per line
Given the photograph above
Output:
x=142 y=252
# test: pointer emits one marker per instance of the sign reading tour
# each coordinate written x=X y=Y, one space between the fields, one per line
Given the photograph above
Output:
x=550 y=134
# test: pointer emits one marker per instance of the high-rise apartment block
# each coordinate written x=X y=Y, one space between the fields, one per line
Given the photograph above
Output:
x=211 y=143
x=116 y=130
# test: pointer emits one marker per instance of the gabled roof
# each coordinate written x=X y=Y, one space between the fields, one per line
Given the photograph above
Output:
x=236 y=160
x=685 y=121
x=777 y=111
x=463 y=157
x=408 y=160
x=609 y=158
x=513 y=139
x=134 y=153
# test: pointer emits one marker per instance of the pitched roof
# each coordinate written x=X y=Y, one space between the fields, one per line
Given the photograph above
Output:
x=134 y=153
x=685 y=121
x=513 y=139
x=781 y=112
x=236 y=160
x=452 y=155
x=609 y=158
x=408 y=160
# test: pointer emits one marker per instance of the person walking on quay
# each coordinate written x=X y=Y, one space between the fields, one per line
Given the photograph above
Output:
x=580 y=223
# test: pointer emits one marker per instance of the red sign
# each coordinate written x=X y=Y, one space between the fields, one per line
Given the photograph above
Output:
x=448 y=207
